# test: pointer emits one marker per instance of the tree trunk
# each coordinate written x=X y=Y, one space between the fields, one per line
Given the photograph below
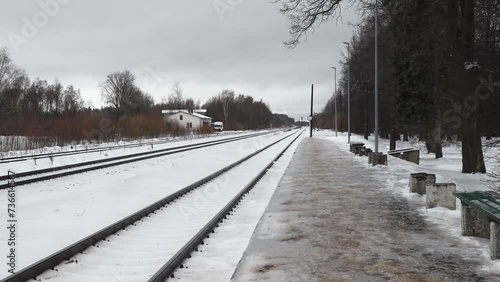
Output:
x=405 y=136
x=398 y=135
x=394 y=134
x=366 y=131
x=430 y=145
x=472 y=150
x=437 y=134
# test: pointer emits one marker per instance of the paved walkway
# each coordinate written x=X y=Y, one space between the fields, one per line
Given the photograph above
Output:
x=335 y=223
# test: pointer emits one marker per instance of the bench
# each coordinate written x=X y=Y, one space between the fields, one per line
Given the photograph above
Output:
x=357 y=150
x=408 y=154
x=354 y=145
x=377 y=159
x=400 y=150
x=364 y=151
x=481 y=217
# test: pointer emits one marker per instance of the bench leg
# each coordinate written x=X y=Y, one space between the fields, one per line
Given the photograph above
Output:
x=474 y=223
x=495 y=240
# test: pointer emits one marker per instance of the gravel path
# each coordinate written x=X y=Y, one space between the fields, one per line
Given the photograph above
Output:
x=337 y=223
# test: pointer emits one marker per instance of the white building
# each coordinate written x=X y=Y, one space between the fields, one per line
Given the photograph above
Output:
x=187 y=120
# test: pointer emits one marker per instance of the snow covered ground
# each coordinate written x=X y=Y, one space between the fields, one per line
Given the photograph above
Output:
x=22 y=141
x=139 y=251
x=56 y=213
x=447 y=169
x=31 y=165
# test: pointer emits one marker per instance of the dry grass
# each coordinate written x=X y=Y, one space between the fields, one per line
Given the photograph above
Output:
x=30 y=133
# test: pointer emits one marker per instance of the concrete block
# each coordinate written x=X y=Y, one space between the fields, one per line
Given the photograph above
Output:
x=364 y=151
x=412 y=156
x=441 y=195
x=354 y=145
x=474 y=222
x=379 y=159
x=357 y=150
x=494 y=240
x=396 y=155
x=419 y=182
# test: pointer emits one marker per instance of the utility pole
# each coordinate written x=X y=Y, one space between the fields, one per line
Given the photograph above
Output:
x=376 y=76
x=348 y=92
x=335 y=102
x=312 y=117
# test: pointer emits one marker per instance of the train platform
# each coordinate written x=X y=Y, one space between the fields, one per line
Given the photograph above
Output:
x=333 y=219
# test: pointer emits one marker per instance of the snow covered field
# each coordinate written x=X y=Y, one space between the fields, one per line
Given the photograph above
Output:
x=22 y=141
x=57 y=213
x=31 y=165
x=447 y=169
x=139 y=251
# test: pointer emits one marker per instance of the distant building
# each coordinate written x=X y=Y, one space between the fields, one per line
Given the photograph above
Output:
x=186 y=119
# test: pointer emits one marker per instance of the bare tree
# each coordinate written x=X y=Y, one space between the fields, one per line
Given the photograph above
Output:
x=5 y=68
x=227 y=100
x=118 y=89
x=13 y=81
x=72 y=101
x=303 y=14
x=175 y=99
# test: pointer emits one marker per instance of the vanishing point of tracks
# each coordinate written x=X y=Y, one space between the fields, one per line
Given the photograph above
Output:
x=164 y=233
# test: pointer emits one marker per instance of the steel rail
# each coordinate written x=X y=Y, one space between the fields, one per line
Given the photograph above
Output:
x=110 y=162
x=50 y=262
x=81 y=151
x=184 y=253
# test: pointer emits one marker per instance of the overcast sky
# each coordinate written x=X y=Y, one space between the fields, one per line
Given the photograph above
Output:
x=206 y=45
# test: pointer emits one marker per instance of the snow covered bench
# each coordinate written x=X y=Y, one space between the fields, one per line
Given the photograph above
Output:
x=354 y=145
x=481 y=217
x=364 y=151
x=408 y=154
x=377 y=159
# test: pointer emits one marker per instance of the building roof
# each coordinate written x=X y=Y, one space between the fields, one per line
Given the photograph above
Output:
x=200 y=116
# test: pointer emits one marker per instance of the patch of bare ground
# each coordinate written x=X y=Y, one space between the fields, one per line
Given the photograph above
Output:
x=265 y=268
x=294 y=234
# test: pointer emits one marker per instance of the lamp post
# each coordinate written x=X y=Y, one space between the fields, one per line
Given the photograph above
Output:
x=348 y=92
x=376 y=76
x=335 y=101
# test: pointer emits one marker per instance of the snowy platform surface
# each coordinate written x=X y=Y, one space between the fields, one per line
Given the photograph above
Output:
x=334 y=218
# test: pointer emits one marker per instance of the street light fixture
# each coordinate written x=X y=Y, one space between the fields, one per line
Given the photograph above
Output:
x=348 y=92
x=335 y=101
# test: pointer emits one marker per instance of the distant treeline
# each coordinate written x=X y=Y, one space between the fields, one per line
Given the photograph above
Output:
x=240 y=112
x=51 y=113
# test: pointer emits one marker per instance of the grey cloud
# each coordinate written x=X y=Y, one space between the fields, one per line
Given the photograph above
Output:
x=186 y=39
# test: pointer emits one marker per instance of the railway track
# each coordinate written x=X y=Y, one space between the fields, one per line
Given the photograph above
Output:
x=81 y=151
x=29 y=177
x=166 y=231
